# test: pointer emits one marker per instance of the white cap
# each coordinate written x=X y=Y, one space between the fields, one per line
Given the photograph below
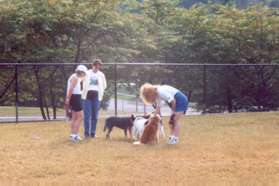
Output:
x=81 y=68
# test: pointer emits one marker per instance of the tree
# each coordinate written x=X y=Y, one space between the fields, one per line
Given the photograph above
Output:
x=218 y=34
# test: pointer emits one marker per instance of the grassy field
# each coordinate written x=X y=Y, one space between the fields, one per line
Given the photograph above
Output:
x=234 y=149
x=25 y=111
x=10 y=111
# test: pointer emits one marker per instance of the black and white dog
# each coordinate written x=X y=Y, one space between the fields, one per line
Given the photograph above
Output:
x=125 y=123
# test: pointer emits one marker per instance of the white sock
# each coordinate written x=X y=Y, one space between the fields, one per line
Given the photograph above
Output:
x=73 y=135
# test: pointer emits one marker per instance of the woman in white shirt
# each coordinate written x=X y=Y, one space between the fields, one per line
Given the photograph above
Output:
x=177 y=101
x=93 y=91
x=73 y=101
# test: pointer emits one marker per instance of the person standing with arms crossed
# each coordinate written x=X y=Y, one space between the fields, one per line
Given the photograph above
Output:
x=94 y=86
x=73 y=101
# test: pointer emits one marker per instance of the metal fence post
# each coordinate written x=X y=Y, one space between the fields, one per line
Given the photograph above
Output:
x=115 y=89
x=16 y=92
x=136 y=104
x=204 y=88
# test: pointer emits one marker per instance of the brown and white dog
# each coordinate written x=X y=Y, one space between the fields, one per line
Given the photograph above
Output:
x=139 y=124
x=150 y=133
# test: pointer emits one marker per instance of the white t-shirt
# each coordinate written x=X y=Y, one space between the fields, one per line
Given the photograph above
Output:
x=77 y=88
x=102 y=84
x=94 y=80
x=165 y=93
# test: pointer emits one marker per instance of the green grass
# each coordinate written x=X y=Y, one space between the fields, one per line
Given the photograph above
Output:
x=9 y=111
x=225 y=149
x=25 y=111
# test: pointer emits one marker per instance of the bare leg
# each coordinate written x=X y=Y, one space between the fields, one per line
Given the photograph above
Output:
x=73 y=121
x=76 y=121
x=176 y=127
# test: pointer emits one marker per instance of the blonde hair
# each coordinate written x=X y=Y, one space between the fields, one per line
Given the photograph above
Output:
x=148 y=93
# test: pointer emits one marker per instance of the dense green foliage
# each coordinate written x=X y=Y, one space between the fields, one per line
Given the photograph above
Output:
x=149 y=31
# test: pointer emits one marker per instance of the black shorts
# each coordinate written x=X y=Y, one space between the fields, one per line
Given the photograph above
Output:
x=75 y=102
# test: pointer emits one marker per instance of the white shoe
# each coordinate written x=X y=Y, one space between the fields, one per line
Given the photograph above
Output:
x=75 y=138
x=173 y=140
x=78 y=137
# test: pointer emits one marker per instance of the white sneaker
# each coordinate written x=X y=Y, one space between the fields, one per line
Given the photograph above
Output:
x=173 y=140
x=75 y=138
x=78 y=138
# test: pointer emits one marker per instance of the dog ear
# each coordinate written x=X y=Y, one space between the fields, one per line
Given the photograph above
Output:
x=133 y=117
x=146 y=116
x=146 y=122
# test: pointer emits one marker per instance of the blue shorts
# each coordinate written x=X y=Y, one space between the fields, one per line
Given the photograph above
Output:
x=181 y=102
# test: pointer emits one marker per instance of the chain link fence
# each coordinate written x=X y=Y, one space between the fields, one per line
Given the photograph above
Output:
x=36 y=91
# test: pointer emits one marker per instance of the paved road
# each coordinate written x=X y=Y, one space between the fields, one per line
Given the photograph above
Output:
x=133 y=107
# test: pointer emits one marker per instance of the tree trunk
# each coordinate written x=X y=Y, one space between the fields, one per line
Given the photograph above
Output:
x=79 y=43
x=47 y=111
x=40 y=93
x=64 y=75
x=52 y=94
x=53 y=103
x=7 y=87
